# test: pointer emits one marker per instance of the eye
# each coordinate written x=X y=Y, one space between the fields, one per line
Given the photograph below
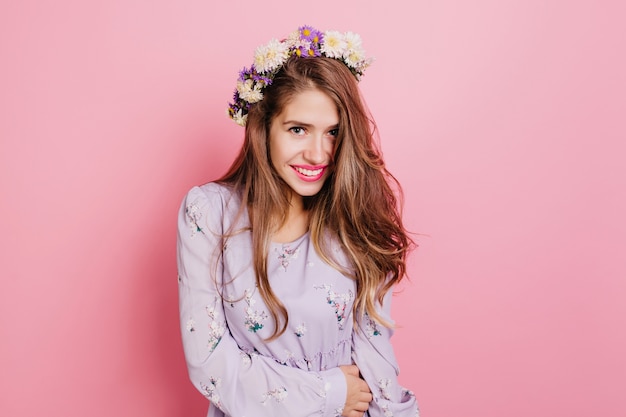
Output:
x=297 y=130
x=334 y=132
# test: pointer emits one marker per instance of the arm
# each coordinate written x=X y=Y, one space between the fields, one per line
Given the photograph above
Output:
x=237 y=383
x=373 y=354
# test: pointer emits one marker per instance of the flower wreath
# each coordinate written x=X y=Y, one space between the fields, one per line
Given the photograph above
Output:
x=304 y=42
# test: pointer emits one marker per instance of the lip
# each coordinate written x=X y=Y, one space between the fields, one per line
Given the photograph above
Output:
x=310 y=178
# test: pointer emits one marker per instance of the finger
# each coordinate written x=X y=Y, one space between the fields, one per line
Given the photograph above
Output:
x=352 y=370
x=362 y=406
x=365 y=397
x=363 y=387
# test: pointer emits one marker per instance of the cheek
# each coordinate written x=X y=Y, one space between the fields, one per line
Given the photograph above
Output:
x=271 y=150
x=330 y=147
x=277 y=153
x=333 y=150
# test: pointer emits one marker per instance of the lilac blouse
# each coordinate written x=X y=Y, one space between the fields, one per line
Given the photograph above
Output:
x=224 y=325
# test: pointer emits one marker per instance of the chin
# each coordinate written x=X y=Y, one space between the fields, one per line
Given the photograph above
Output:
x=309 y=193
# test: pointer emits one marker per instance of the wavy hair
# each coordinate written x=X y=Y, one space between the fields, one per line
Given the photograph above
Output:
x=359 y=203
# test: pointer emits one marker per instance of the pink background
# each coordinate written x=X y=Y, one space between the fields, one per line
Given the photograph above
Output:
x=504 y=120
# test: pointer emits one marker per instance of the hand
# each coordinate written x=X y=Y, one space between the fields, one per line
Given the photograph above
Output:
x=359 y=394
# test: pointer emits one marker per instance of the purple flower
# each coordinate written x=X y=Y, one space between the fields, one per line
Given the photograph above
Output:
x=311 y=34
x=243 y=74
x=265 y=80
x=312 y=39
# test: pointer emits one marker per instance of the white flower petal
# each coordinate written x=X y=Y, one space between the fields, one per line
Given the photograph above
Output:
x=334 y=45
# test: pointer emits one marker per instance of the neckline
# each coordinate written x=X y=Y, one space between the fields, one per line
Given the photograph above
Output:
x=297 y=240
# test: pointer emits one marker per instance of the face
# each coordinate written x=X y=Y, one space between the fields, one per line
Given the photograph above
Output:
x=302 y=140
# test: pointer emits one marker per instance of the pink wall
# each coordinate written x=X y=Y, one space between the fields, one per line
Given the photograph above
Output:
x=504 y=120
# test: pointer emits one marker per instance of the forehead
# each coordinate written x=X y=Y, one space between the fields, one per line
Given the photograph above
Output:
x=312 y=107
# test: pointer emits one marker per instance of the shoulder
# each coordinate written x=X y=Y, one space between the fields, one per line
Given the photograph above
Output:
x=212 y=204
x=211 y=195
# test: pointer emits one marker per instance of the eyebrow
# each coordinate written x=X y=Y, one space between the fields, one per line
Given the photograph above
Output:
x=307 y=125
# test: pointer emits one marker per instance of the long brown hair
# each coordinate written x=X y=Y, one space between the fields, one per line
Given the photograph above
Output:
x=358 y=204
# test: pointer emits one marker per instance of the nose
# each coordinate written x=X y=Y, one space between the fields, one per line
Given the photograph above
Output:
x=314 y=152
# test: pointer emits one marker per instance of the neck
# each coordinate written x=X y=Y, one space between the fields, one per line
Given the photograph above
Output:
x=296 y=205
x=296 y=224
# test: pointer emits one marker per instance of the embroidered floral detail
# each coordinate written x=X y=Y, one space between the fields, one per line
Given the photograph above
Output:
x=245 y=358
x=286 y=254
x=216 y=327
x=210 y=390
x=386 y=411
x=290 y=356
x=371 y=329
x=310 y=264
x=191 y=325
x=300 y=330
x=193 y=215
x=254 y=319
x=338 y=412
x=278 y=394
x=383 y=385
x=338 y=301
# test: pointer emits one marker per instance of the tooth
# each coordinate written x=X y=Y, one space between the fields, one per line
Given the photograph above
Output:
x=308 y=172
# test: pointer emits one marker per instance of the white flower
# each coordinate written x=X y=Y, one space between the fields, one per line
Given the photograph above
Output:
x=245 y=359
x=354 y=53
x=353 y=41
x=270 y=57
x=217 y=329
x=278 y=394
x=353 y=58
x=362 y=65
x=210 y=390
x=239 y=118
x=191 y=325
x=300 y=330
x=334 y=45
x=249 y=91
x=384 y=384
x=293 y=39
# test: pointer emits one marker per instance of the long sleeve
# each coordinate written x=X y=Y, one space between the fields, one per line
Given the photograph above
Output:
x=238 y=383
x=373 y=354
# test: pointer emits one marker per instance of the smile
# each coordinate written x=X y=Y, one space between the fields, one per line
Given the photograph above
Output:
x=309 y=173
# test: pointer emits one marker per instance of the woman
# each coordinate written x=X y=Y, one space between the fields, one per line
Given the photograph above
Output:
x=286 y=264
